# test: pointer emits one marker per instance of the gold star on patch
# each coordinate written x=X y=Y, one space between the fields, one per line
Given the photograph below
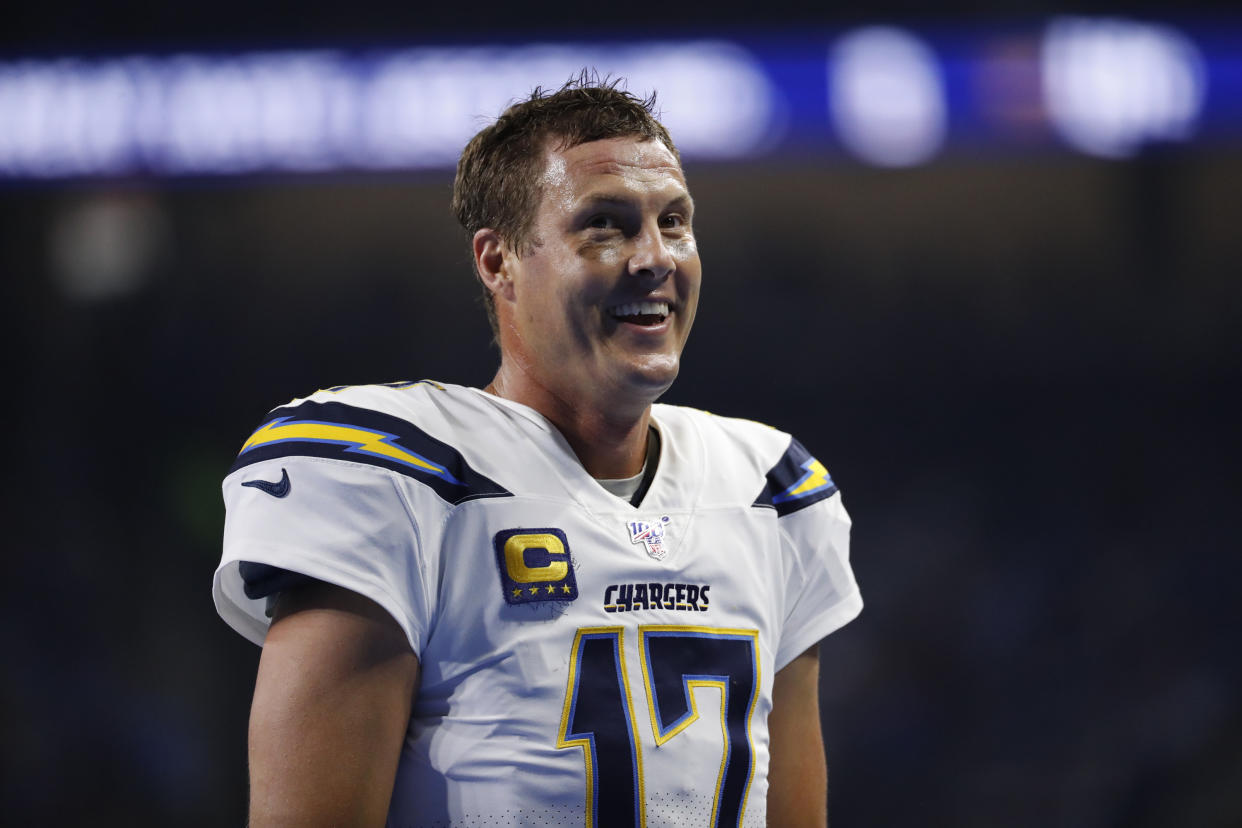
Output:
x=534 y=590
x=565 y=588
x=517 y=593
x=551 y=589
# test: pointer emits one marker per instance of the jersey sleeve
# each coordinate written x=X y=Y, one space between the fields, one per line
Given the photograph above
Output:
x=342 y=523
x=821 y=593
x=332 y=489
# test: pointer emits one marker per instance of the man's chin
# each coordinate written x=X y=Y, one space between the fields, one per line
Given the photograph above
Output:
x=651 y=378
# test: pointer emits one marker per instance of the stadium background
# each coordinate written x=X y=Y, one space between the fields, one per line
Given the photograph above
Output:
x=1022 y=369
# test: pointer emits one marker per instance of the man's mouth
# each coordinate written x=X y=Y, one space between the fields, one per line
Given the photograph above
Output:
x=640 y=313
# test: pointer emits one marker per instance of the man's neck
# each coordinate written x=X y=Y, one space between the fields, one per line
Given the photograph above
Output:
x=609 y=446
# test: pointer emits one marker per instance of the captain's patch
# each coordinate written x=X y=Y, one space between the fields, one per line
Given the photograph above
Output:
x=534 y=566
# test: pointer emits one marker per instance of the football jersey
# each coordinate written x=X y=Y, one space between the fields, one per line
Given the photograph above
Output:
x=583 y=661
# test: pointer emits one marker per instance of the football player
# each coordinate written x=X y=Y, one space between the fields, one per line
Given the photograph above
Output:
x=551 y=600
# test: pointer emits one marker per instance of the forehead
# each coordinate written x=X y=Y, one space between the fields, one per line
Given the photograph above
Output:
x=627 y=164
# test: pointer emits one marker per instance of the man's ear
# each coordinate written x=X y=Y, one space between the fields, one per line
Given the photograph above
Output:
x=492 y=260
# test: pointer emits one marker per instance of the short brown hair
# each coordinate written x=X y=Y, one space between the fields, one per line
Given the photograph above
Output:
x=497 y=184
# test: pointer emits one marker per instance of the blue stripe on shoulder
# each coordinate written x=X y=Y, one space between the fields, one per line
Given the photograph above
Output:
x=260 y=580
x=795 y=482
x=345 y=432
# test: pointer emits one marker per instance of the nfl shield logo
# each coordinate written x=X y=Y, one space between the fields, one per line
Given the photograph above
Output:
x=650 y=533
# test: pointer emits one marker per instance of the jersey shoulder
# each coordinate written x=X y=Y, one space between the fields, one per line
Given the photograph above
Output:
x=413 y=428
x=771 y=465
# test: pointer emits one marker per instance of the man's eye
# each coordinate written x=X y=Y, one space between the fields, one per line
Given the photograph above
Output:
x=602 y=222
x=673 y=221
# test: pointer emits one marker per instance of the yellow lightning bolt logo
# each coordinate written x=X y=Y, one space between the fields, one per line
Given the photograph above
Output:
x=360 y=440
x=816 y=478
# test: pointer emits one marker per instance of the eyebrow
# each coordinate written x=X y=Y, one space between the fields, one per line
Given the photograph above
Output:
x=606 y=199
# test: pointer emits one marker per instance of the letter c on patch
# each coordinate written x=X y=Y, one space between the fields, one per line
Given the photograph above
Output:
x=520 y=569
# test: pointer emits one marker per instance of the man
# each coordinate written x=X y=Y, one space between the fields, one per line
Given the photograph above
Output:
x=548 y=601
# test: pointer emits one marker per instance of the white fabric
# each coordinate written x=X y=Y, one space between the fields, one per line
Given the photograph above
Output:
x=482 y=744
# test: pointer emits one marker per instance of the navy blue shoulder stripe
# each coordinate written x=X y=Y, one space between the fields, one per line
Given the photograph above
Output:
x=796 y=481
x=260 y=580
x=345 y=432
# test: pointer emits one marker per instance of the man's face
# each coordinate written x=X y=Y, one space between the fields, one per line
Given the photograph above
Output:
x=605 y=295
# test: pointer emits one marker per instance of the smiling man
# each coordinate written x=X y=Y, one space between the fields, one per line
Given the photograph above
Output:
x=552 y=600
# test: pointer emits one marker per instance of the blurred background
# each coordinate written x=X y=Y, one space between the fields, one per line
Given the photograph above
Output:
x=988 y=269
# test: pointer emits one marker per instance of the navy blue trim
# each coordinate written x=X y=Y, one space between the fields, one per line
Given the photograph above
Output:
x=458 y=484
x=649 y=467
x=260 y=580
x=791 y=470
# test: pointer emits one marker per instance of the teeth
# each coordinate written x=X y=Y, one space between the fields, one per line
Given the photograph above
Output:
x=640 y=309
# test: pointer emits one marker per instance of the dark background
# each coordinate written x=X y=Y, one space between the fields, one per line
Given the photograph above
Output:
x=1022 y=371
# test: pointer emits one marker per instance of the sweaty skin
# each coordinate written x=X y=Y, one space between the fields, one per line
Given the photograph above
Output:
x=614 y=227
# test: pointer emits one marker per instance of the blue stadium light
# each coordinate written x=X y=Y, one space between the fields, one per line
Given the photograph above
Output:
x=309 y=111
x=1112 y=86
x=886 y=96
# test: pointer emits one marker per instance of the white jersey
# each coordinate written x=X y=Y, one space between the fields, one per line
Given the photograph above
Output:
x=583 y=661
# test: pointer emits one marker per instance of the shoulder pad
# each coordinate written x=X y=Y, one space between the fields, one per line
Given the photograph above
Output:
x=344 y=432
x=796 y=481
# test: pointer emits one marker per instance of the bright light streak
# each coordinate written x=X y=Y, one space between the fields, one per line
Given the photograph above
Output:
x=887 y=97
x=411 y=109
x=1112 y=86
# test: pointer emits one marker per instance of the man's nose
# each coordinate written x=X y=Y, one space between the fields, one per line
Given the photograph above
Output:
x=652 y=258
